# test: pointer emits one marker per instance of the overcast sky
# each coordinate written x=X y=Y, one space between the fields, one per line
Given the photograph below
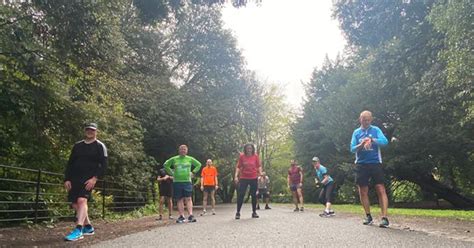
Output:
x=284 y=40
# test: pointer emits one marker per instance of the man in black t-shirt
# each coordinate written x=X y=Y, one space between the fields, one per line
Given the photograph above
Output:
x=165 y=182
x=86 y=164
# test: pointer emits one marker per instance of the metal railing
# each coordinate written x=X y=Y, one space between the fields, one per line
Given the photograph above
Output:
x=34 y=195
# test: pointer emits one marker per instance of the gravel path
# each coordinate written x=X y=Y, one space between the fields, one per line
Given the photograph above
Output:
x=279 y=227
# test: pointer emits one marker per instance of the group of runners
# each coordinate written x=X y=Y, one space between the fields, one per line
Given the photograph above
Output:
x=88 y=161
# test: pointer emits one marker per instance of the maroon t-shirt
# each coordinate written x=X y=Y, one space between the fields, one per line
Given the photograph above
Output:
x=248 y=166
x=294 y=173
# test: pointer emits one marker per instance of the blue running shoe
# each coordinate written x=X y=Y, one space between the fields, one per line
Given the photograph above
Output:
x=88 y=230
x=76 y=234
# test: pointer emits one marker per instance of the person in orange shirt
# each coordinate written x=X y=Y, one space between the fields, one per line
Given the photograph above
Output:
x=209 y=185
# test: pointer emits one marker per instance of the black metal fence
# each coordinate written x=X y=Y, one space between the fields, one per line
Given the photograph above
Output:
x=31 y=195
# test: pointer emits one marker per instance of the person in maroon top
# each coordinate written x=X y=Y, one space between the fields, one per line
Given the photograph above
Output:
x=246 y=173
x=295 y=183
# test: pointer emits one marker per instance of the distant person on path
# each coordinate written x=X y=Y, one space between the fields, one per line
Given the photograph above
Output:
x=209 y=185
x=180 y=168
x=247 y=170
x=366 y=142
x=86 y=164
x=326 y=193
x=295 y=183
x=165 y=182
x=263 y=190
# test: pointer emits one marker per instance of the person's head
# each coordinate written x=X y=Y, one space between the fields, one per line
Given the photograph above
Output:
x=316 y=162
x=365 y=119
x=264 y=174
x=183 y=150
x=249 y=149
x=90 y=131
x=209 y=162
x=293 y=162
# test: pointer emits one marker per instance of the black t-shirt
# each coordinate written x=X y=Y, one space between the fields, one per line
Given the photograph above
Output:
x=86 y=161
x=162 y=173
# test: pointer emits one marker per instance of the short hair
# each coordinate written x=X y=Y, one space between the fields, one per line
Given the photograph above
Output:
x=365 y=113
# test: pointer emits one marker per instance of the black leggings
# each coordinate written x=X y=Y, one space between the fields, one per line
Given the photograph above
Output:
x=242 y=188
x=326 y=193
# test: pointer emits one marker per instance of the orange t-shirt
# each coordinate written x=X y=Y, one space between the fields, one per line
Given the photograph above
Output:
x=208 y=175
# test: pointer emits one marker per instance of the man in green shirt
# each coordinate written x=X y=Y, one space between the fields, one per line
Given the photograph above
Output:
x=180 y=168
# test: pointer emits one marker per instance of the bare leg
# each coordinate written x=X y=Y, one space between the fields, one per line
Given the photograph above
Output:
x=328 y=206
x=295 y=198
x=81 y=210
x=162 y=201
x=383 y=199
x=170 y=205
x=181 y=206
x=300 y=196
x=189 y=205
x=213 y=199
x=204 y=201
x=364 y=198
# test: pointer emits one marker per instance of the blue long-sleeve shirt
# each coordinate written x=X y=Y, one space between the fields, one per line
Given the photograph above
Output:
x=373 y=154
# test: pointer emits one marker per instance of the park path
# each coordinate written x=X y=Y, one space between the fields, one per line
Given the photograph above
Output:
x=278 y=227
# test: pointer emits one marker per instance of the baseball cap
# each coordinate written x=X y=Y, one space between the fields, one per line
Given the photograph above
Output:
x=91 y=125
x=315 y=159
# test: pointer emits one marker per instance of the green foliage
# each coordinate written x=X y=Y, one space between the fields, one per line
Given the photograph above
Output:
x=403 y=68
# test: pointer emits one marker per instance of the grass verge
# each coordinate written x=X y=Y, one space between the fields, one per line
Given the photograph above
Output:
x=429 y=213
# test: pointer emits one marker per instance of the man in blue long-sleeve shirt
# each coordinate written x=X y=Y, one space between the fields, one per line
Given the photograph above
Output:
x=366 y=143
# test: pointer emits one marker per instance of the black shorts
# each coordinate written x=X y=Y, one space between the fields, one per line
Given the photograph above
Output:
x=263 y=194
x=365 y=172
x=209 y=189
x=78 y=189
x=166 y=189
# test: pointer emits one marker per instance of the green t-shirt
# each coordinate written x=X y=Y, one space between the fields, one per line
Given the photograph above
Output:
x=182 y=168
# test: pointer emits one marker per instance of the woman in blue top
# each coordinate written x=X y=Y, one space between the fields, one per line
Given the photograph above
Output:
x=325 y=196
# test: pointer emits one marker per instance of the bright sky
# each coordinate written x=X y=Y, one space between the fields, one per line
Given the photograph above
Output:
x=284 y=40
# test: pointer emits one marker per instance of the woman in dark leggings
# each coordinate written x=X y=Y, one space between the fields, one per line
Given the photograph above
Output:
x=246 y=173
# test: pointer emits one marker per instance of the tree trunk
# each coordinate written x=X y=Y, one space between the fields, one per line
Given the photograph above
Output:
x=429 y=184
x=227 y=192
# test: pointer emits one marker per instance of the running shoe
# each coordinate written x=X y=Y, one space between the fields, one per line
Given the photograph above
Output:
x=368 y=220
x=88 y=230
x=180 y=219
x=384 y=223
x=301 y=209
x=267 y=207
x=203 y=213
x=255 y=215
x=296 y=210
x=237 y=216
x=76 y=234
x=324 y=214
x=191 y=218
x=159 y=217
x=170 y=217
x=213 y=212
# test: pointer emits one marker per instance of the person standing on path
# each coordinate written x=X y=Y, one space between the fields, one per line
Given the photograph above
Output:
x=86 y=164
x=209 y=185
x=247 y=170
x=365 y=143
x=295 y=183
x=263 y=191
x=165 y=182
x=180 y=168
x=326 y=193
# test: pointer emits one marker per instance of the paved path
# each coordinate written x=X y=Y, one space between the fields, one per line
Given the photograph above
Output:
x=279 y=227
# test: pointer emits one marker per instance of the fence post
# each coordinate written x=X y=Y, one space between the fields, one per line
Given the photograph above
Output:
x=103 y=199
x=38 y=185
